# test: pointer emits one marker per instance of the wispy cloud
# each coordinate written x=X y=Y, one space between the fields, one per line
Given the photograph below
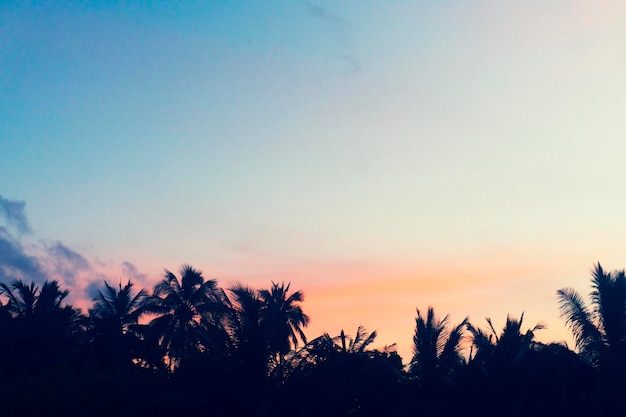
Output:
x=13 y=212
x=130 y=271
x=15 y=263
x=44 y=260
x=66 y=263
x=341 y=30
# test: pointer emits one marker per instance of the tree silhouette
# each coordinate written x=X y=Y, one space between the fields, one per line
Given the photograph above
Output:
x=436 y=348
x=248 y=346
x=265 y=324
x=359 y=343
x=282 y=316
x=22 y=298
x=250 y=334
x=190 y=313
x=503 y=364
x=499 y=353
x=600 y=332
x=340 y=377
x=42 y=330
x=114 y=316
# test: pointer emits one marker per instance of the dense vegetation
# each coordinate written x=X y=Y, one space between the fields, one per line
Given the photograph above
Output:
x=191 y=347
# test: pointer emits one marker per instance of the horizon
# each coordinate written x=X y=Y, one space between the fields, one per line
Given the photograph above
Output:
x=38 y=260
x=381 y=158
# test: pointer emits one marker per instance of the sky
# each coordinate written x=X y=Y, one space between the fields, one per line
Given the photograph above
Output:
x=380 y=157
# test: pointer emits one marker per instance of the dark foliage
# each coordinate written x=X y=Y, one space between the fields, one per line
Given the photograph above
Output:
x=191 y=348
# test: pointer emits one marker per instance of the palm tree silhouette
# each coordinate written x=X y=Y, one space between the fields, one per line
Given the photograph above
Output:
x=43 y=329
x=498 y=353
x=436 y=347
x=341 y=376
x=120 y=307
x=265 y=324
x=599 y=332
x=190 y=311
x=115 y=315
x=359 y=343
x=22 y=298
x=282 y=316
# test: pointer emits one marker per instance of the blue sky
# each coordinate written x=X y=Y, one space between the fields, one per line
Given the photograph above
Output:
x=381 y=157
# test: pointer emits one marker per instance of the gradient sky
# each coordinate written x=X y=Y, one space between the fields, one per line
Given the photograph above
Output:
x=381 y=157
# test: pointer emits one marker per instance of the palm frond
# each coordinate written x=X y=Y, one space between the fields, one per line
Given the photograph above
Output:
x=587 y=336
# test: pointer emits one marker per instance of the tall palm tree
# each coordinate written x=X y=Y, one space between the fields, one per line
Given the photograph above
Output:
x=499 y=352
x=436 y=346
x=600 y=331
x=115 y=315
x=249 y=335
x=283 y=317
x=266 y=324
x=189 y=313
x=246 y=323
x=522 y=375
x=42 y=327
x=120 y=307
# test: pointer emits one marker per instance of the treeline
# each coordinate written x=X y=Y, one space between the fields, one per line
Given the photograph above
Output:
x=192 y=347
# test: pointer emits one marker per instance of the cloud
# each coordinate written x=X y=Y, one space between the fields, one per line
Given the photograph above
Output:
x=66 y=263
x=15 y=263
x=322 y=13
x=93 y=287
x=341 y=29
x=130 y=271
x=14 y=214
x=43 y=260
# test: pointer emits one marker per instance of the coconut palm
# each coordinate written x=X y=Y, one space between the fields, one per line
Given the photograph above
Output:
x=499 y=352
x=436 y=346
x=115 y=315
x=341 y=376
x=249 y=334
x=599 y=331
x=359 y=343
x=266 y=323
x=22 y=298
x=283 y=318
x=246 y=324
x=189 y=313
x=120 y=306
x=41 y=326
x=522 y=375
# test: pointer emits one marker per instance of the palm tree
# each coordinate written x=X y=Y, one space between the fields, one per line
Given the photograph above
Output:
x=436 y=347
x=115 y=315
x=600 y=331
x=42 y=328
x=249 y=335
x=190 y=313
x=120 y=306
x=341 y=376
x=359 y=343
x=21 y=298
x=499 y=353
x=521 y=375
x=283 y=318
x=265 y=324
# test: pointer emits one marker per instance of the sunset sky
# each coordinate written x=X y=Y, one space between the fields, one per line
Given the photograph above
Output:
x=380 y=156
